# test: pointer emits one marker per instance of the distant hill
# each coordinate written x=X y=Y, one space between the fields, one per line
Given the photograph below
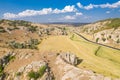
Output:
x=69 y=23
x=104 y=31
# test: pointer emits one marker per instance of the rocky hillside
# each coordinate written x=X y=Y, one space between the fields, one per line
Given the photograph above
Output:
x=51 y=66
x=30 y=51
x=105 y=31
x=23 y=34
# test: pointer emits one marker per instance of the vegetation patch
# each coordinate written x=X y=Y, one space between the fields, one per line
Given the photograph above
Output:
x=4 y=62
x=115 y=23
x=97 y=39
x=31 y=44
x=97 y=50
x=38 y=74
x=2 y=30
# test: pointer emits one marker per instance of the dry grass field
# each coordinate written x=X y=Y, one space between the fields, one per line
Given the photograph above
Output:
x=98 y=58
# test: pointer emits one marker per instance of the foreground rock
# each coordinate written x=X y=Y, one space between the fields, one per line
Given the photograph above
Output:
x=37 y=70
x=69 y=58
x=70 y=72
x=60 y=66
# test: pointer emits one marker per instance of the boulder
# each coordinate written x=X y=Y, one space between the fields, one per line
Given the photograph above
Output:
x=69 y=58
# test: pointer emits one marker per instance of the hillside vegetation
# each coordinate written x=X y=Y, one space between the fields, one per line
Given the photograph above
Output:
x=114 y=23
x=39 y=51
x=105 y=31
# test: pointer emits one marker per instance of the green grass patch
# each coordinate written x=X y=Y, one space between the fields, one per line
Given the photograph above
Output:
x=38 y=74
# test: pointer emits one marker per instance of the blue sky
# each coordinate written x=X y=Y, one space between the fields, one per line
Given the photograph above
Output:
x=59 y=10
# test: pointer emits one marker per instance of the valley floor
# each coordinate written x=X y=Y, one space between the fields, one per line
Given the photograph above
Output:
x=98 y=58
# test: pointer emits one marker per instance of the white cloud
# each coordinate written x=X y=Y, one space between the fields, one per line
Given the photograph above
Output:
x=79 y=14
x=69 y=9
x=91 y=6
x=9 y=15
x=107 y=5
x=65 y=9
x=79 y=5
x=107 y=12
x=68 y=17
x=26 y=13
x=44 y=11
x=33 y=12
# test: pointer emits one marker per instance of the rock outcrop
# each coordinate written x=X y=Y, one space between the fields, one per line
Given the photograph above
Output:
x=70 y=72
x=32 y=72
x=4 y=61
x=69 y=58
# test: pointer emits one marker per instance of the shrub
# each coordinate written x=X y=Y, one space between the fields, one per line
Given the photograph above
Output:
x=36 y=75
x=32 y=28
x=33 y=75
x=42 y=70
x=18 y=73
x=97 y=39
x=115 y=23
x=109 y=36
x=2 y=30
x=34 y=41
x=104 y=39
x=1 y=68
x=31 y=44
x=118 y=41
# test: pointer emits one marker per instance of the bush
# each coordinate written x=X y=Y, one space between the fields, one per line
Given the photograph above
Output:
x=34 y=41
x=36 y=75
x=118 y=41
x=42 y=70
x=2 y=30
x=115 y=23
x=110 y=36
x=97 y=39
x=104 y=39
x=31 y=44
x=18 y=73
x=32 y=28
x=1 y=68
x=33 y=75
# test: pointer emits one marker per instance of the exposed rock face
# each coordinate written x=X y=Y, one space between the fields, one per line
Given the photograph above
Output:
x=69 y=58
x=70 y=72
x=110 y=36
x=3 y=62
x=58 y=67
x=91 y=28
x=101 y=32
x=22 y=73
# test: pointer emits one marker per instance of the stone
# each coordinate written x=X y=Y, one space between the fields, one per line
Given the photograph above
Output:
x=69 y=58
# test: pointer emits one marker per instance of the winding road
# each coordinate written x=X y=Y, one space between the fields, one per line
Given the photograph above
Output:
x=95 y=42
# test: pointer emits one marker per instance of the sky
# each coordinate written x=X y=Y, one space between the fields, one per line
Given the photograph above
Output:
x=44 y=11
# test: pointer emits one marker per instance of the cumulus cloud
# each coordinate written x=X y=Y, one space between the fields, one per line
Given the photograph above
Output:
x=69 y=17
x=65 y=9
x=79 y=14
x=91 y=6
x=28 y=13
x=9 y=15
x=79 y=5
x=107 y=12
x=44 y=11
x=107 y=5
